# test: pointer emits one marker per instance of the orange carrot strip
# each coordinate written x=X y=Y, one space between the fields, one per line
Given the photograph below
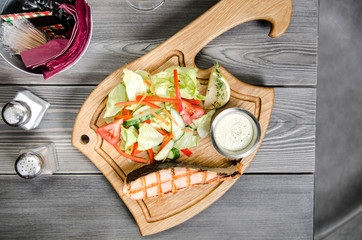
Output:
x=187 y=130
x=169 y=115
x=150 y=154
x=166 y=139
x=159 y=99
x=126 y=103
x=153 y=85
x=147 y=82
x=159 y=118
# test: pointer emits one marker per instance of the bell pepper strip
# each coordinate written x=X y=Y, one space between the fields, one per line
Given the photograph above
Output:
x=147 y=121
x=177 y=89
x=174 y=104
x=159 y=118
x=133 y=158
x=150 y=104
x=170 y=116
x=161 y=131
x=166 y=139
x=134 y=150
x=151 y=155
x=111 y=132
x=186 y=151
x=124 y=117
x=192 y=101
x=158 y=99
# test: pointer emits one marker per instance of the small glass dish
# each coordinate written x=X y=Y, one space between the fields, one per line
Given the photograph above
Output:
x=250 y=146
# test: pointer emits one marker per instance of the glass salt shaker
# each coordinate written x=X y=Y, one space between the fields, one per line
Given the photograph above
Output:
x=26 y=110
x=37 y=161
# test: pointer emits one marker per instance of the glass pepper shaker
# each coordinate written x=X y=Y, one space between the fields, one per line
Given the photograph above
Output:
x=26 y=110
x=37 y=161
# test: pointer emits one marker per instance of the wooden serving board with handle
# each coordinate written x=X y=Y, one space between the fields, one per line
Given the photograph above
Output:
x=157 y=214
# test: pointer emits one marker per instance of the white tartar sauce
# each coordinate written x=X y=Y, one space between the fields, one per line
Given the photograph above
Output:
x=233 y=132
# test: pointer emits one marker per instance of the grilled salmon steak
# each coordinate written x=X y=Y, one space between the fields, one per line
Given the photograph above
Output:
x=160 y=179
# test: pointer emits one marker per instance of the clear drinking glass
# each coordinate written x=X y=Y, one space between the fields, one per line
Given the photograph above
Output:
x=145 y=5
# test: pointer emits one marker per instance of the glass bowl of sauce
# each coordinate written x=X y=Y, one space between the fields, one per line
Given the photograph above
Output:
x=235 y=133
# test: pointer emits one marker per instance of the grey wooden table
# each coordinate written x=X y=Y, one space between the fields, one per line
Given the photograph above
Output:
x=272 y=200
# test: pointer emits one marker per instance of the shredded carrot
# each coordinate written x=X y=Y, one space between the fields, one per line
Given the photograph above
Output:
x=150 y=154
x=187 y=130
x=140 y=112
x=126 y=103
x=147 y=121
x=166 y=139
x=126 y=111
x=159 y=118
x=158 y=99
x=153 y=85
x=147 y=82
x=169 y=115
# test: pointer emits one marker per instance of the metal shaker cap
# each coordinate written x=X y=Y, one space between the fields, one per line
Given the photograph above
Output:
x=16 y=113
x=28 y=165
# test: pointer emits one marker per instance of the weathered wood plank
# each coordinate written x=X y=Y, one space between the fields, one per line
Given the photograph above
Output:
x=121 y=35
x=79 y=207
x=288 y=146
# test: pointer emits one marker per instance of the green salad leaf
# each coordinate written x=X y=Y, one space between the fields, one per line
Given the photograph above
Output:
x=118 y=94
x=203 y=123
x=188 y=140
x=164 y=83
x=134 y=84
x=148 y=137
x=129 y=136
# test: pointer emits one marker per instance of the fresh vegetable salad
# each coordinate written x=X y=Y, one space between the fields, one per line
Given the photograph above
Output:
x=159 y=114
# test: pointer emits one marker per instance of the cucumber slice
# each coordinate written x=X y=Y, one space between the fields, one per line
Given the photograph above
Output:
x=176 y=129
x=164 y=151
x=188 y=140
x=173 y=154
x=141 y=110
x=140 y=118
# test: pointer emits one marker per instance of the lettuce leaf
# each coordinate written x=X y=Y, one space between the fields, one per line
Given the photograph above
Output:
x=203 y=123
x=134 y=84
x=148 y=137
x=188 y=140
x=129 y=136
x=118 y=94
x=164 y=83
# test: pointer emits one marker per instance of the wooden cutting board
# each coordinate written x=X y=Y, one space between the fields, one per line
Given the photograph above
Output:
x=157 y=214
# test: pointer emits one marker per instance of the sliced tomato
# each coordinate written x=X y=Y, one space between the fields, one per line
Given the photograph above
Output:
x=190 y=112
x=192 y=101
x=111 y=132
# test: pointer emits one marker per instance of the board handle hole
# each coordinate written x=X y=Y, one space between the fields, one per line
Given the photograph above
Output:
x=84 y=139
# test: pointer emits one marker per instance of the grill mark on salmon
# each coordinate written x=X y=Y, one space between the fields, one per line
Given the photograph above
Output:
x=159 y=179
